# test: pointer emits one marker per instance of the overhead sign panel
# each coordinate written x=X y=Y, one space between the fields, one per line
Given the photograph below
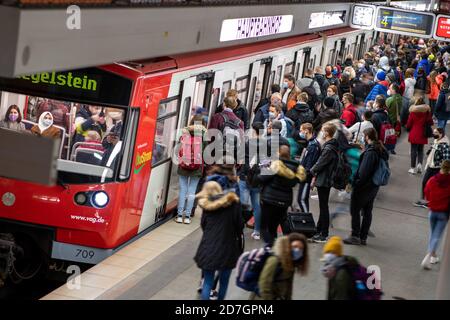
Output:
x=442 y=30
x=412 y=23
x=253 y=27
x=327 y=19
x=363 y=16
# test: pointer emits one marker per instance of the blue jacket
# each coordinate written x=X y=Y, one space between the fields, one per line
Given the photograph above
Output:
x=262 y=113
x=426 y=66
x=439 y=110
x=380 y=88
x=311 y=155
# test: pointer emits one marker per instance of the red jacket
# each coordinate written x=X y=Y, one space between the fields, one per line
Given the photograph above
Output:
x=419 y=116
x=437 y=192
x=217 y=120
x=349 y=115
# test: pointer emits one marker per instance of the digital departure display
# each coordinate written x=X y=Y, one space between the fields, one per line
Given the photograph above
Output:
x=363 y=16
x=326 y=19
x=419 y=24
x=442 y=30
x=89 y=85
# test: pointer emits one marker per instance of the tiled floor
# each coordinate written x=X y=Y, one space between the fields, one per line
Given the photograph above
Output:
x=160 y=265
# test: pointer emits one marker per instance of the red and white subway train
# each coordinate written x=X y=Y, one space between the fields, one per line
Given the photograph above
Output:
x=95 y=209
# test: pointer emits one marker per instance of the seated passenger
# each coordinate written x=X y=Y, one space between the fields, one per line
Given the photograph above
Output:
x=89 y=118
x=45 y=127
x=92 y=141
x=13 y=119
x=109 y=143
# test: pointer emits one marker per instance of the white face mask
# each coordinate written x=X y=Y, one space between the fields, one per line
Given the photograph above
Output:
x=47 y=122
x=389 y=92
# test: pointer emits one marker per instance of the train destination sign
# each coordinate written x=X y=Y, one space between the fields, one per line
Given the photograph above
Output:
x=363 y=16
x=442 y=30
x=412 y=23
x=327 y=19
x=253 y=27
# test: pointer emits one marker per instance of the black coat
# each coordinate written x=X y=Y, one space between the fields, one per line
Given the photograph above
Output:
x=324 y=116
x=241 y=112
x=368 y=164
x=378 y=117
x=277 y=187
x=222 y=240
x=300 y=113
x=326 y=164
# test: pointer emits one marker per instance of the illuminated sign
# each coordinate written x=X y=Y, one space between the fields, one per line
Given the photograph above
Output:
x=363 y=16
x=83 y=83
x=246 y=28
x=416 y=24
x=326 y=19
x=442 y=30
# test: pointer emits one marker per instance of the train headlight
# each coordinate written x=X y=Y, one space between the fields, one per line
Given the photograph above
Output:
x=100 y=199
x=80 y=198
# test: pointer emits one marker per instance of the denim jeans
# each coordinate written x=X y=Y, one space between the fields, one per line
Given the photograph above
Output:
x=442 y=124
x=186 y=198
x=438 y=221
x=208 y=283
x=248 y=194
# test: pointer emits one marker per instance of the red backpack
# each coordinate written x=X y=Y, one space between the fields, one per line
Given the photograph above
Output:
x=190 y=155
x=387 y=133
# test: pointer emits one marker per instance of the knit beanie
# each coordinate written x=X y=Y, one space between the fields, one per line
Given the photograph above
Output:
x=333 y=245
x=381 y=75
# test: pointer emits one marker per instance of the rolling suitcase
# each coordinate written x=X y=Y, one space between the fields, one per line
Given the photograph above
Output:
x=299 y=222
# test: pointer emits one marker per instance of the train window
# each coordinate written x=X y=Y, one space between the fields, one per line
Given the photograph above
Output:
x=242 y=88
x=166 y=108
x=185 y=112
x=199 y=94
x=252 y=95
x=278 y=75
x=225 y=87
x=271 y=79
x=289 y=68
x=130 y=138
x=214 y=100
x=164 y=134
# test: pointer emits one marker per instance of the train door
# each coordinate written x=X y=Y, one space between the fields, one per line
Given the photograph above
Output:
x=314 y=58
x=361 y=46
x=259 y=75
x=306 y=61
x=299 y=62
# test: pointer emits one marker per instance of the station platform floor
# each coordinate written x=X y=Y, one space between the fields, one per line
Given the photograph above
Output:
x=160 y=265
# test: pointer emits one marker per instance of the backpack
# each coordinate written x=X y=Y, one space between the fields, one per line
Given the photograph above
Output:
x=360 y=278
x=357 y=116
x=313 y=99
x=387 y=133
x=249 y=267
x=190 y=153
x=342 y=172
x=382 y=173
x=290 y=125
x=231 y=130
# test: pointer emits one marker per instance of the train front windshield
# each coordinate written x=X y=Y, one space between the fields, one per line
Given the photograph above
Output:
x=90 y=137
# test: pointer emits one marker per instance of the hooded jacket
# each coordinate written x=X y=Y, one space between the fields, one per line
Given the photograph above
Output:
x=349 y=115
x=277 y=186
x=326 y=164
x=441 y=104
x=419 y=116
x=222 y=225
x=301 y=113
x=380 y=88
x=394 y=104
x=368 y=164
x=378 y=117
x=437 y=192
x=324 y=116
x=425 y=64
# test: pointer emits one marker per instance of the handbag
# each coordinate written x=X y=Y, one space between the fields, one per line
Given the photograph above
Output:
x=299 y=222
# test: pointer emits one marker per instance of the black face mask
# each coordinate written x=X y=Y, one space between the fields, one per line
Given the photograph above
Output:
x=436 y=136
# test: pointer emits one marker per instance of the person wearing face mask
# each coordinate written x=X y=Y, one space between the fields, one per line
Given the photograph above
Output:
x=340 y=283
x=332 y=92
x=379 y=115
x=275 y=113
x=330 y=76
x=380 y=87
x=13 y=119
x=45 y=127
x=364 y=189
x=308 y=160
x=301 y=113
x=361 y=69
x=262 y=114
x=322 y=172
x=290 y=256
x=290 y=91
x=439 y=151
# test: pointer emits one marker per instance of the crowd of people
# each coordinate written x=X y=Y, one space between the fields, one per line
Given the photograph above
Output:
x=335 y=128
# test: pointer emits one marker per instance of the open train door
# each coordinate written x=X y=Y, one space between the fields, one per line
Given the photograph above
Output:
x=259 y=79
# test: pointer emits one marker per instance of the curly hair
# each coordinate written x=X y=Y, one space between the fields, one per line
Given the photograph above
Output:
x=282 y=249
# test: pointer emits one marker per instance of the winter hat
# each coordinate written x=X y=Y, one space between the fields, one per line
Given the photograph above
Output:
x=431 y=57
x=200 y=110
x=333 y=245
x=381 y=75
x=384 y=63
x=329 y=102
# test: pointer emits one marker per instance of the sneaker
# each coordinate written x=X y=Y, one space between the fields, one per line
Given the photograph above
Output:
x=179 y=220
x=434 y=260
x=363 y=242
x=371 y=234
x=419 y=168
x=315 y=197
x=315 y=237
x=412 y=171
x=426 y=262
x=393 y=152
x=320 y=239
x=200 y=287
x=214 y=295
x=256 y=236
x=352 y=240
x=187 y=221
x=421 y=204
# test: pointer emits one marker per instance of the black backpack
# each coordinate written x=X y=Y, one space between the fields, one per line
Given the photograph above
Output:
x=313 y=99
x=342 y=172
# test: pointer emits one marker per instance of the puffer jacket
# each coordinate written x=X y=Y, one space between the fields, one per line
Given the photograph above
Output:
x=441 y=104
x=326 y=164
x=419 y=116
x=278 y=183
x=222 y=225
x=380 y=88
x=437 y=192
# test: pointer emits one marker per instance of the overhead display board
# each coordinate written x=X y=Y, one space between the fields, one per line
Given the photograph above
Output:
x=442 y=29
x=327 y=19
x=253 y=27
x=411 y=23
x=363 y=16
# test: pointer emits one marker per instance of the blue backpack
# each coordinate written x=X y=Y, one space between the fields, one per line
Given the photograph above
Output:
x=249 y=267
x=382 y=173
